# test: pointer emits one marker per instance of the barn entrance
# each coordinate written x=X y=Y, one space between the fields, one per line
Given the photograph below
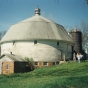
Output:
x=0 y=67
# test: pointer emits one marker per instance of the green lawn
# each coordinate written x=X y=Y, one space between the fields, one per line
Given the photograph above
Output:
x=67 y=75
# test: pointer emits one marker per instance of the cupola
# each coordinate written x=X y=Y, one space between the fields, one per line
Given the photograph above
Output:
x=37 y=11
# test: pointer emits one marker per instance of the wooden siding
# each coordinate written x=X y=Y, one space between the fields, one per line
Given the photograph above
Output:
x=20 y=67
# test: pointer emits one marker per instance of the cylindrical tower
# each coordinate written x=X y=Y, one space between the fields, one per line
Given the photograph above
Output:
x=77 y=38
x=0 y=50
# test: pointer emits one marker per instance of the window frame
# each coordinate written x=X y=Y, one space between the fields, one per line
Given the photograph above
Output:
x=35 y=41
x=57 y=43
x=45 y=63
x=35 y=63
x=53 y=63
x=7 y=66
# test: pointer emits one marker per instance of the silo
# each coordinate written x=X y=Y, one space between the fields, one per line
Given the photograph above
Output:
x=0 y=50
x=77 y=38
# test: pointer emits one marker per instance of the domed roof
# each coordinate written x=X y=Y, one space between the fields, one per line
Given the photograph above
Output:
x=37 y=27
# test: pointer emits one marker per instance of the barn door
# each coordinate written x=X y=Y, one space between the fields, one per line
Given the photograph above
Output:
x=0 y=67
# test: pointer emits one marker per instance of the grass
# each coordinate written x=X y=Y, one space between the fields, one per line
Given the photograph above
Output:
x=67 y=75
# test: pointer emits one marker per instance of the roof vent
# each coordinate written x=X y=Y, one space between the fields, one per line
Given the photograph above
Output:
x=37 y=11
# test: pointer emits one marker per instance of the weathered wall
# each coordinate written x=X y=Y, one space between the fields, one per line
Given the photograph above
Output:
x=77 y=38
x=19 y=67
x=41 y=64
x=10 y=68
x=0 y=50
x=42 y=51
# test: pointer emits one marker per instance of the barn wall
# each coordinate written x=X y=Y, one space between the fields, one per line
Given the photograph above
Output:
x=6 y=48
x=43 y=50
x=41 y=64
x=10 y=69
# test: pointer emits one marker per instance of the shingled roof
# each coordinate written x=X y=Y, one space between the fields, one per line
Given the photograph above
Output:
x=12 y=57
x=37 y=27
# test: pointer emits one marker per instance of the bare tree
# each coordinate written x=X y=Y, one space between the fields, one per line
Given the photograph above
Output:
x=84 y=29
x=2 y=33
x=87 y=1
x=58 y=1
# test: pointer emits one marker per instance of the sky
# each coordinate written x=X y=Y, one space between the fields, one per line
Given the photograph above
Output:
x=69 y=13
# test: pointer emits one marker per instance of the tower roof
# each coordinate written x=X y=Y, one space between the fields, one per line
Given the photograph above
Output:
x=37 y=27
x=37 y=11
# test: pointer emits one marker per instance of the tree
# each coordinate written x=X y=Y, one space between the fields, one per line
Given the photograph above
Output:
x=84 y=29
x=58 y=1
x=87 y=1
x=2 y=33
x=30 y=65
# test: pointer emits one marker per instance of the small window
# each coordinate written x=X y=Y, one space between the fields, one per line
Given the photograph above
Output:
x=35 y=63
x=7 y=66
x=35 y=42
x=45 y=63
x=13 y=42
x=53 y=63
x=58 y=43
x=57 y=62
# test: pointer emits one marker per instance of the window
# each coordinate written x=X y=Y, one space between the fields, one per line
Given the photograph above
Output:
x=35 y=63
x=58 y=43
x=7 y=66
x=13 y=42
x=53 y=63
x=57 y=62
x=35 y=42
x=45 y=63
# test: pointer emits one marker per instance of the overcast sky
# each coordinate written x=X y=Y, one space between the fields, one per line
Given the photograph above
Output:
x=69 y=13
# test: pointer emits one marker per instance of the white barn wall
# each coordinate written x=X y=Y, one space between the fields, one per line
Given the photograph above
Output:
x=42 y=51
x=6 y=48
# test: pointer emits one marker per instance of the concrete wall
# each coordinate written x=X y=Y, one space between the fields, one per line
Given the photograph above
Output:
x=42 y=51
x=0 y=50
x=77 y=38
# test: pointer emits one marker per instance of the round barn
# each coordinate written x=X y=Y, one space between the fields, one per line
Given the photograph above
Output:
x=39 y=38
